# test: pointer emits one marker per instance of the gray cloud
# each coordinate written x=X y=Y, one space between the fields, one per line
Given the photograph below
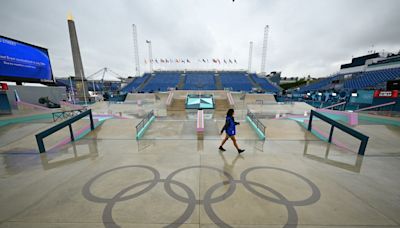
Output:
x=306 y=37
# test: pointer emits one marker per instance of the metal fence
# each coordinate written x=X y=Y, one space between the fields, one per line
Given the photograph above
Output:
x=143 y=122
x=348 y=130
x=256 y=121
x=68 y=122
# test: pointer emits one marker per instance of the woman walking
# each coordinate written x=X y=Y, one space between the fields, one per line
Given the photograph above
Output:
x=230 y=129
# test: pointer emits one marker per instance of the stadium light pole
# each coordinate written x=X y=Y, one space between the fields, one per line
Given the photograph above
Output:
x=150 y=56
x=264 y=50
x=136 y=50
x=250 y=56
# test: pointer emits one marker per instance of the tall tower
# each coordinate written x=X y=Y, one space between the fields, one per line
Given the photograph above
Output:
x=81 y=87
x=136 y=49
x=250 y=56
x=264 y=50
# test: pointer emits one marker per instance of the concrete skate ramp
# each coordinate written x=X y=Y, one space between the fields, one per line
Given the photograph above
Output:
x=295 y=108
x=186 y=129
x=115 y=129
x=20 y=138
x=259 y=98
x=148 y=97
x=383 y=139
x=280 y=129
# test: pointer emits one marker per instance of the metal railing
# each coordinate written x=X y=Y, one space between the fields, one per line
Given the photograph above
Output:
x=260 y=126
x=143 y=122
x=68 y=122
x=341 y=105
x=363 y=138
x=378 y=107
x=65 y=114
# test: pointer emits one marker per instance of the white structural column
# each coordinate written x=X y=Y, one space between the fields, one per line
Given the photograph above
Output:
x=136 y=50
x=264 y=50
x=250 y=56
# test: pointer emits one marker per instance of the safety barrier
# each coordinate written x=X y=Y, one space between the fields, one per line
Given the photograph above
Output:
x=363 y=138
x=68 y=122
x=144 y=124
x=256 y=124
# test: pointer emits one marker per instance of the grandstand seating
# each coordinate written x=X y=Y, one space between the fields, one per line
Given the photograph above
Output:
x=264 y=83
x=320 y=84
x=199 y=81
x=162 y=81
x=130 y=87
x=372 y=78
x=237 y=81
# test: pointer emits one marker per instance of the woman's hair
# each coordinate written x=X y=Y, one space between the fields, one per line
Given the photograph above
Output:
x=230 y=112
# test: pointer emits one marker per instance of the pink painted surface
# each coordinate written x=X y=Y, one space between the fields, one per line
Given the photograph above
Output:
x=169 y=99
x=326 y=135
x=230 y=99
x=200 y=121
x=352 y=117
x=76 y=135
x=376 y=106
x=110 y=115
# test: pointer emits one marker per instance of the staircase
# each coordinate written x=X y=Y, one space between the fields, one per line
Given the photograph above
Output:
x=182 y=79
x=254 y=83
x=218 y=82
x=140 y=88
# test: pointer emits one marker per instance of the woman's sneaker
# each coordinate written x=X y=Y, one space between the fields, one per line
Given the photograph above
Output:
x=221 y=148
x=240 y=151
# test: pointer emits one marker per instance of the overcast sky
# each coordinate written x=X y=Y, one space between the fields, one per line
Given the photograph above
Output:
x=306 y=37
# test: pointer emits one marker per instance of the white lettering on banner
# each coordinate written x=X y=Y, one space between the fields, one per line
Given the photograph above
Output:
x=385 y=93
x=21 y=61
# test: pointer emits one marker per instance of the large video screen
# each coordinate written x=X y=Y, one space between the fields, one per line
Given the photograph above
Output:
x=194 y=101
x=22 y=62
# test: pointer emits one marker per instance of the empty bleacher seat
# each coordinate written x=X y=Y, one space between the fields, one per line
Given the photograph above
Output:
x=199 y=81
x=237 y=81
x=265 y=84
x=372 y=78
x=162 y=81
x=130 y=87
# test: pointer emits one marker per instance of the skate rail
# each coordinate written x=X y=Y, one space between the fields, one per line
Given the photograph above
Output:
x=363 y=138
x=142 y=126
x=256 y=124
x=40 y=136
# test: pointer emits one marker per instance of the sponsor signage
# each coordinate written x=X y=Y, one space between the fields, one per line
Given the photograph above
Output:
x=386 y=94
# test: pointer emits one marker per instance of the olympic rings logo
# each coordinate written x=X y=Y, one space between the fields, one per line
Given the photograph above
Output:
x=208 y=199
